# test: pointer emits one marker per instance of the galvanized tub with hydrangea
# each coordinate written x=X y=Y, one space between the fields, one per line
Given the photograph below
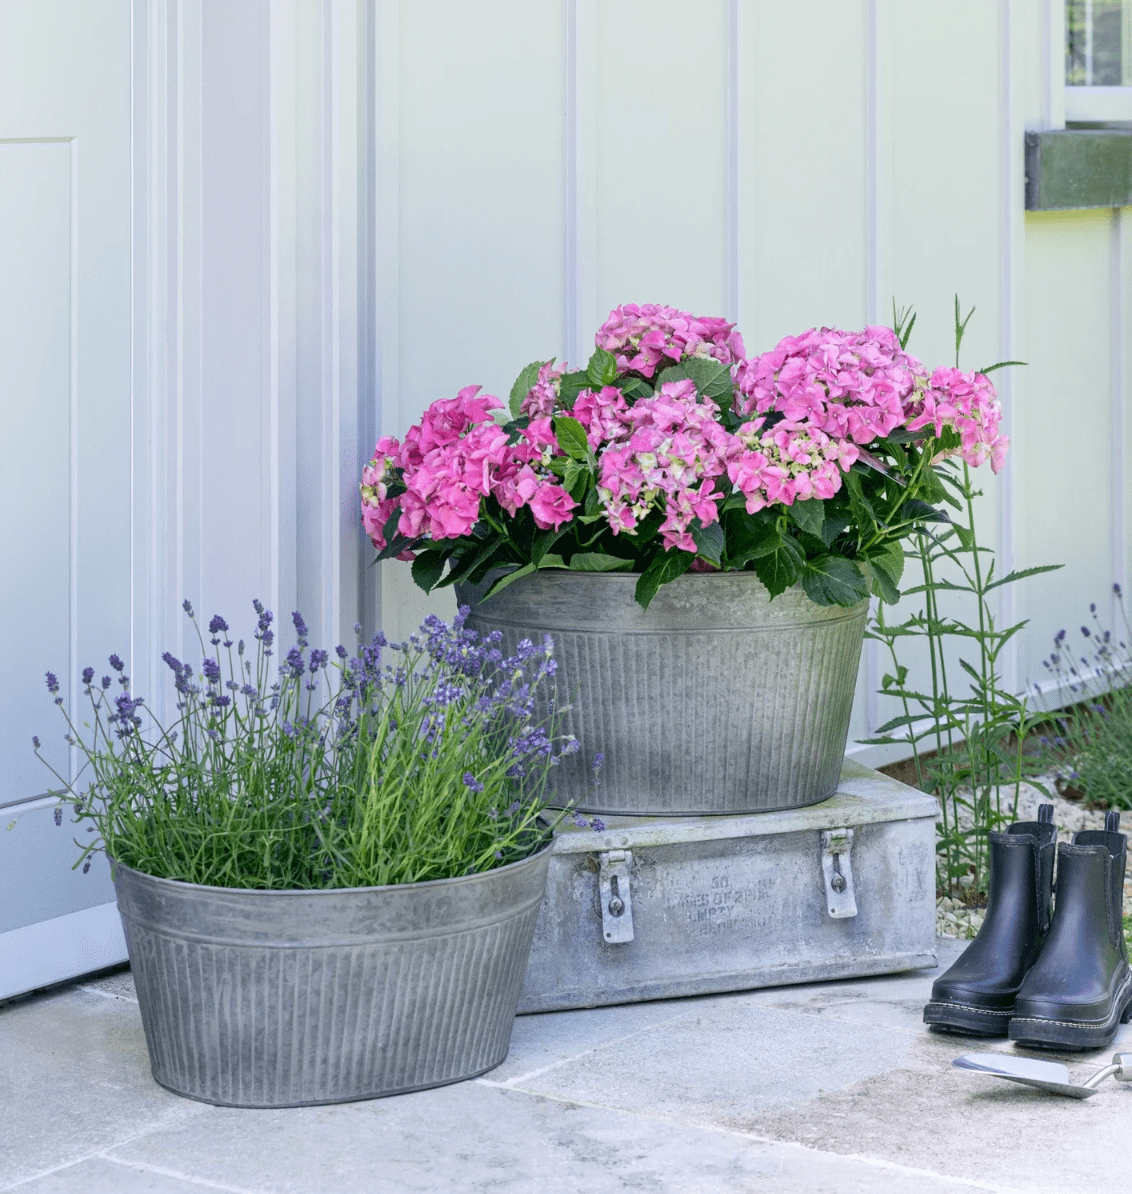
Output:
x=699 y=531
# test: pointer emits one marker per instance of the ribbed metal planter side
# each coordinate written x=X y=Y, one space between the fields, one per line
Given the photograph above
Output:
x=288 y=998
x=714 y=700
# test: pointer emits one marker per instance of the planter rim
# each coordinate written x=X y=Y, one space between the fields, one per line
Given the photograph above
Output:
x=625 y=579
x=333 y=891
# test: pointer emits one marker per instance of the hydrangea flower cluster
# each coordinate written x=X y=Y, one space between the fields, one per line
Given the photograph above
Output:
x=542 y=397
x=967 y=403
x=786 y=464
x=455 y=456
x=847 y=385
x=647 y=337
x=669 y=445
x=859 y=387
x=668 y=428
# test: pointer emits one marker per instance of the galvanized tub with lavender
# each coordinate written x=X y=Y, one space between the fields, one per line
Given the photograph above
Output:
x=287 y=998
x=715 y=699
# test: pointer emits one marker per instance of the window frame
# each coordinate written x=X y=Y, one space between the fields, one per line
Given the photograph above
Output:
x=1087 y=103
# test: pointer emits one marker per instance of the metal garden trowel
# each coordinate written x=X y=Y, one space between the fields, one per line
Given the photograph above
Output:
x=1045 y=1075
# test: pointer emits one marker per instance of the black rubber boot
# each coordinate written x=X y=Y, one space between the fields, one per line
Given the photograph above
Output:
x=1080 y=988
x=976 y=995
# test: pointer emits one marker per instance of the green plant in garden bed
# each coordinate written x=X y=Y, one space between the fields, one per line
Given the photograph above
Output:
x=1090 y=744
x=974 y=730
x=396 y=764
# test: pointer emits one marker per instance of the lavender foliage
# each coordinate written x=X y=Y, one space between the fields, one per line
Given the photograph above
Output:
x=387 y=764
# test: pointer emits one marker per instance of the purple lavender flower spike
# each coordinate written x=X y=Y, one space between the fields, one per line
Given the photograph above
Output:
x=88 y=676
x=35 y=741
x=52 y=682
x=211 y=670
x=58 y=816
x=106 y=681
x=187 y=606
x=598 y=825
x=117 y=664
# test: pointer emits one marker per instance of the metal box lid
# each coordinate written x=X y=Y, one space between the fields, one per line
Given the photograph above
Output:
x=863 y=797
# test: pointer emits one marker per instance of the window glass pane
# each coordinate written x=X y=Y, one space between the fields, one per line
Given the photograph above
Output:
x=1098 y=43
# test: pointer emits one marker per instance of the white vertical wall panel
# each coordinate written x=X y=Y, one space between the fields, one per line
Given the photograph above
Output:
x=660 y=166
x=802 y=175
x=482 y=196
x=233 y=451
x=1063 y=462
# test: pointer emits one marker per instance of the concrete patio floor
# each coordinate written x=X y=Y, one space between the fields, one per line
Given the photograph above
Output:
x=826 y=1087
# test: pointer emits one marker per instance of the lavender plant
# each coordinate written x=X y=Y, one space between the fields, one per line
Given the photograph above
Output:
x=399 y=763
x=1091 y=743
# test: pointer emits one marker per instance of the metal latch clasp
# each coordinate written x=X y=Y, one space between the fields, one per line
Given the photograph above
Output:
x=613 y=889
x=837 y=869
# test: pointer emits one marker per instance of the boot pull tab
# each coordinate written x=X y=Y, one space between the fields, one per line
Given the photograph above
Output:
x=1045 y=814
x=1112 y=821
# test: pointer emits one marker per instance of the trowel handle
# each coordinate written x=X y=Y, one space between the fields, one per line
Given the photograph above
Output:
x=1120 y=1068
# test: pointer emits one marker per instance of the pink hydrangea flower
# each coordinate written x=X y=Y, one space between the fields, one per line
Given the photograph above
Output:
x=647 y=336
x=967 y=403
x=788 y=463
x=543 y=395
x=668 y=448
x=444 y=422
x=377 y=506
x=848 y=385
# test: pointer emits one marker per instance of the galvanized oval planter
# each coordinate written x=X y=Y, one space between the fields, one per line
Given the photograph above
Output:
x=289 y=998
x=714 y=700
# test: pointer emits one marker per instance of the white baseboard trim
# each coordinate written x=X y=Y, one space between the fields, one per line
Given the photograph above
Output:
x=55 y=950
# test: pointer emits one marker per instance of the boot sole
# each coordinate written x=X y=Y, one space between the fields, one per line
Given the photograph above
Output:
x=1074 y=1034
x=965 y=1018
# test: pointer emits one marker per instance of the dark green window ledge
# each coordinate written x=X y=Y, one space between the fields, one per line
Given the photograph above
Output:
x=1079 y=167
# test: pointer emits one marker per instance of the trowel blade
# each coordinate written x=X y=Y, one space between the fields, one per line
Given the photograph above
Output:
x=1045 y=1075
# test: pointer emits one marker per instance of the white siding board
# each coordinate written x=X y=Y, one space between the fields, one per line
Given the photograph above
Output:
x=1062 y=436
x=802 y=175
x=661 y=160
x=482 y=193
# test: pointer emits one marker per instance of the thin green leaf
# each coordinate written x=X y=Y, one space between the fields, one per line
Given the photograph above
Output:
x=509 y=579
x=1021 y=574
x=598 y=561
x=999 y=365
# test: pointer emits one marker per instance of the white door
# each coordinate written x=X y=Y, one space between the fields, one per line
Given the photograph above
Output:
x=65 y=402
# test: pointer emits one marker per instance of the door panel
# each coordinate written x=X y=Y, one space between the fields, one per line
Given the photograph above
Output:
x=65 y=403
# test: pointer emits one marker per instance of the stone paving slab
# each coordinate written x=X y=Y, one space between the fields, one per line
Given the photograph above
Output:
x=827 y=1086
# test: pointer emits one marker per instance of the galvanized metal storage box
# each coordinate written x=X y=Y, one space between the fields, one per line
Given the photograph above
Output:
x=655 y=907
